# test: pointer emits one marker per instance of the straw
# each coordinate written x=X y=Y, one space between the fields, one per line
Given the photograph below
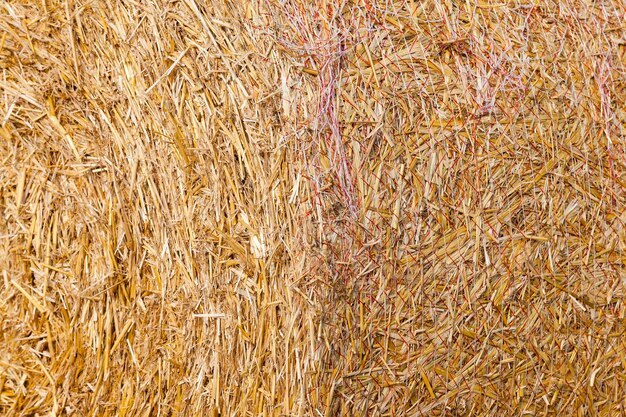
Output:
x=334 y=208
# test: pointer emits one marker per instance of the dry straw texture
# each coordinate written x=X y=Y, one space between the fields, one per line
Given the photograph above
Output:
x=333 y=208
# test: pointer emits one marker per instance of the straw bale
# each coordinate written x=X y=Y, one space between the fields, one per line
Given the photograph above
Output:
x=333 y=208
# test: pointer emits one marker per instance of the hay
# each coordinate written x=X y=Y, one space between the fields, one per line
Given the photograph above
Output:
x=312 y=209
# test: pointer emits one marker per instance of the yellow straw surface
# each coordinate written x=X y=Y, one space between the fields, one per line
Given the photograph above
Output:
x=333 y=208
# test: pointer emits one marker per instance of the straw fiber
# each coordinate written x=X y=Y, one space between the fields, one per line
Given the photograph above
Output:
x=312 y=208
